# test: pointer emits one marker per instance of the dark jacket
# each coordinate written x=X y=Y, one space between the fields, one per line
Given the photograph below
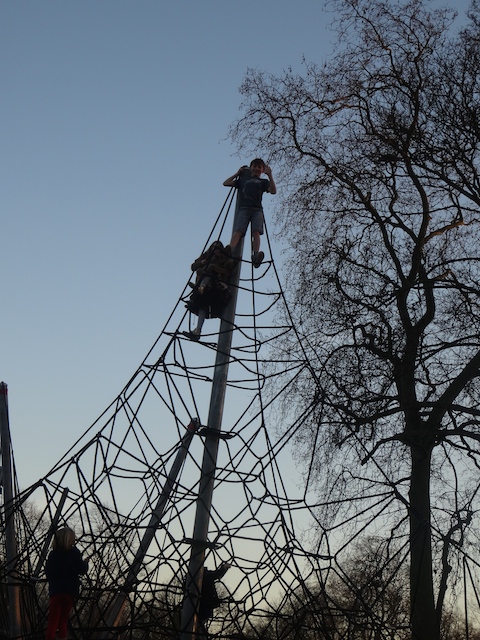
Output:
x=63 y=569
x=209 y=599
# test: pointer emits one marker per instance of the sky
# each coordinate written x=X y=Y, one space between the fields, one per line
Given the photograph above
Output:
x=114 y=125
x=114 y=121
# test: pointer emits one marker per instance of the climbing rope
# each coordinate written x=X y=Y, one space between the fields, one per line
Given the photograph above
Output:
x=292 y=572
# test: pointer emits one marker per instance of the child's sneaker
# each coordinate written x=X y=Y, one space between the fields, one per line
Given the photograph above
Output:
x=193 y=335
x=257 y=259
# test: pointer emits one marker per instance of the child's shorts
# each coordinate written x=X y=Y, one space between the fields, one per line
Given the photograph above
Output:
x=246 y=216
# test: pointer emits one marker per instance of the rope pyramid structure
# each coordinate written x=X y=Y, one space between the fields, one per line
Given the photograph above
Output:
x=155 y=491
x=136 y=473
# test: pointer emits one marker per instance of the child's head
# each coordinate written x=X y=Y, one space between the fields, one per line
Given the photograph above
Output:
x=64 y=539
x=257 y=162
x=215 y=246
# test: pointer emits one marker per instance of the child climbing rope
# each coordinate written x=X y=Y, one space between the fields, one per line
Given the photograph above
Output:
x=63 y=567
x=251 y=188
x=211 y=291
x=209 y=599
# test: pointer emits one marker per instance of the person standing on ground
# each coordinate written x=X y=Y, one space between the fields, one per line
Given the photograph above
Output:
x=251 y=187
x=64 y=567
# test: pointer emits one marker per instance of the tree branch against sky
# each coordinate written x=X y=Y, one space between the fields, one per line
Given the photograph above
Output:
x=377 y=150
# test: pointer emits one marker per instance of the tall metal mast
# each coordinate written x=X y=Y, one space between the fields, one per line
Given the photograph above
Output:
x=193 y=588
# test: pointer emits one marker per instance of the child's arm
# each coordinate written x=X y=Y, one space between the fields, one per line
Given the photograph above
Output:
x=230 y=182
x=199 y=262
x=217 y=574
x=273 y=186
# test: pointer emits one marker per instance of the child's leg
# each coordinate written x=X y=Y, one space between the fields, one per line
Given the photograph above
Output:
x=242 y=220
x=66 y=607
x=202 y=314
x=195 y=334
x=255 y=241
x=236 y=237
x=54 y=612
x=257 y=255
x=203 y=283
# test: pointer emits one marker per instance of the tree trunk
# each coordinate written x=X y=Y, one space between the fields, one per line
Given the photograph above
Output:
x=423 y=615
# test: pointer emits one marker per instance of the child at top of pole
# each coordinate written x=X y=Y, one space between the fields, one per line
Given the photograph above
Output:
x=251 y=187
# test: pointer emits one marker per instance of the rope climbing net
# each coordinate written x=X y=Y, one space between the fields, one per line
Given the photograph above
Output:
x=130 y=488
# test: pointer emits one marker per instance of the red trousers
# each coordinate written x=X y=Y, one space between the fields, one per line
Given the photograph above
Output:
x=58 y=612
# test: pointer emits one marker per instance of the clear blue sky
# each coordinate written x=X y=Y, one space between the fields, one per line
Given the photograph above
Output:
x=114 y=118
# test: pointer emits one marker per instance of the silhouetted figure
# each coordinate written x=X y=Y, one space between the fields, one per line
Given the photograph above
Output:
x=209 y=599
x=64 y=567
x=211 y=292
x=251 y=188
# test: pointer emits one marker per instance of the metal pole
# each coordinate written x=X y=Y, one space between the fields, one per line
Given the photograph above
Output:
x=115 y=613
x=13 y=586
x=193 y=588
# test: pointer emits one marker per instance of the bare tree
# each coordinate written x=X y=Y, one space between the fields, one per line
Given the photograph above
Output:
x=378 y=153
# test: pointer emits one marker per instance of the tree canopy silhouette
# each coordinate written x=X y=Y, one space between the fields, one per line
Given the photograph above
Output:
x=377 y=150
